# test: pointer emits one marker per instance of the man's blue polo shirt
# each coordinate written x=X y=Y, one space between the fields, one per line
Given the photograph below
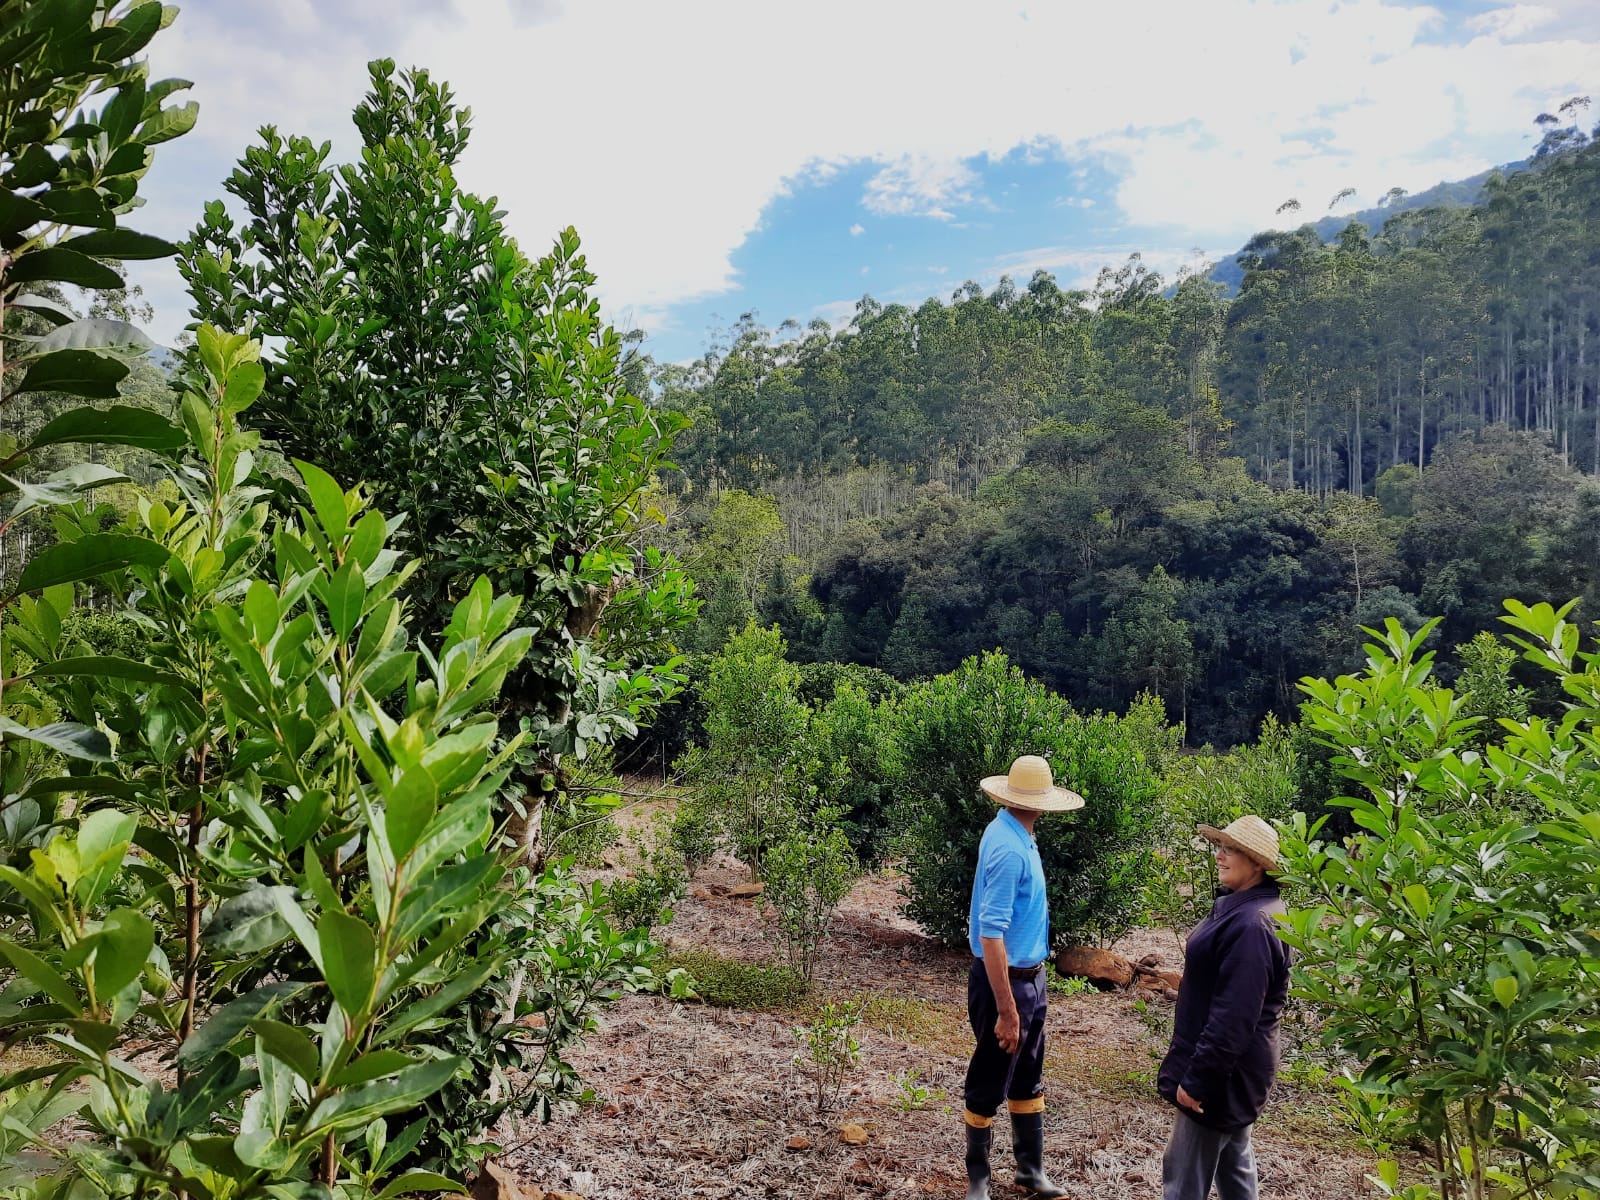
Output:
x=1008 y=899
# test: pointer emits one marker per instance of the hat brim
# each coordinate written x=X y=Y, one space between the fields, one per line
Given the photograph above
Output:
x=1218 y=837
x=1057 y=799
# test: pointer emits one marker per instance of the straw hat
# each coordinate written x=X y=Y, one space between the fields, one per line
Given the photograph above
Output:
x=1250 y=836
x=1031 y=785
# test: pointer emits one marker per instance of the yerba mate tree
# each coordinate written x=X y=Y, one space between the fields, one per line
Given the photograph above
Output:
x=1453 y=942
x=275 y=885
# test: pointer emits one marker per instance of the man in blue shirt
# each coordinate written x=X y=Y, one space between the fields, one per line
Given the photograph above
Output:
x=1009 y=932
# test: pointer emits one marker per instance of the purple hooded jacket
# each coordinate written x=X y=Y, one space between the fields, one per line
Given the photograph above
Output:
x=1224 y=1048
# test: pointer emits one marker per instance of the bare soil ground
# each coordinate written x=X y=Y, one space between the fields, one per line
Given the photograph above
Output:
x=693 y=1100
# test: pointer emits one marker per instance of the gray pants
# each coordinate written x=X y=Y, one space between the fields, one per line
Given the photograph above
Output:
x=1197 y=1157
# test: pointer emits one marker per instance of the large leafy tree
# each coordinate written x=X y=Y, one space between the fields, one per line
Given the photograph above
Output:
x=476 y=390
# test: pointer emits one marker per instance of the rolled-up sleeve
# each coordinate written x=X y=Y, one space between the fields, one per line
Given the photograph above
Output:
x=1002 y=876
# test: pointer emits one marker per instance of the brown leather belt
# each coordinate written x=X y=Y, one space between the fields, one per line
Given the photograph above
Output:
x=1025 y=972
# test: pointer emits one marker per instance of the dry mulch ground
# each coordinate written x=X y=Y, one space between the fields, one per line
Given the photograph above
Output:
x=693 y=1100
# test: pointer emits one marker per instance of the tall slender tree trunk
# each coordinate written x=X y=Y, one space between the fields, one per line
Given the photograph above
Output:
x=1422 y=411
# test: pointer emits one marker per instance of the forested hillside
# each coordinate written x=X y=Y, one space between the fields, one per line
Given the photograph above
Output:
x=1144 y=486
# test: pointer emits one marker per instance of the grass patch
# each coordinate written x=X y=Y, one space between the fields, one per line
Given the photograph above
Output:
x=904 y=1017
x=733 y=983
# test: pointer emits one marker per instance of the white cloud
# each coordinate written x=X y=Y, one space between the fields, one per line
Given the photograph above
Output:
x=1515 y=21
x=662 y=131
x=857 y=229
x=920 y=186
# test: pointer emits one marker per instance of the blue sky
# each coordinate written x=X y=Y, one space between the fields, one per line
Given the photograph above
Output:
x=725 y=156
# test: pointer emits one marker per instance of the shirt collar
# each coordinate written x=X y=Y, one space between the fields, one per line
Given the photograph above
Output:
x=1021 y=829
x=1227 y=901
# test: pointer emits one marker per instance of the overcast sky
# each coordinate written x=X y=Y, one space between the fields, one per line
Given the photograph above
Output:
x=723 y=156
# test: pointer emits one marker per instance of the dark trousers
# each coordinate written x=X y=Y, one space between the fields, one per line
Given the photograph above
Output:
x=993 y=1075
x=1199 y=1158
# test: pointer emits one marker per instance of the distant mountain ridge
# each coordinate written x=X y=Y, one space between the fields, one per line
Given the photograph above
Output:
x=1456 y=194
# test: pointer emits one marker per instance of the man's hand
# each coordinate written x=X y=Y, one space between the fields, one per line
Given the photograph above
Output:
x=1187 y=1101
x=1008 y=1031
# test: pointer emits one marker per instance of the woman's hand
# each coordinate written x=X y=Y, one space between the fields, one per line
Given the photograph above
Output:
x=1187 y=1101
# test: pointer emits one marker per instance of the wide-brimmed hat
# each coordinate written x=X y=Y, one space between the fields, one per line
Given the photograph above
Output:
x=1031 y=785
x=1249 y=835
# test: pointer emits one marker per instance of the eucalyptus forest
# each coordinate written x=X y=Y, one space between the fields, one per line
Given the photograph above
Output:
x=445 y=749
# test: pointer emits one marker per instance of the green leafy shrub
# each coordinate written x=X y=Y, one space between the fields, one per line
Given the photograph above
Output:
x=856 y=755
x=576 y=955
x=829 y=1050
x=820 y=682
x=911 y=1094
x=108 y=632
x=956 y=729
x=807 y=875
x=644 y=898
x=755 y=773
x=310 y=901
x=1487 y=687
x=1449 y=943
x=692 y=831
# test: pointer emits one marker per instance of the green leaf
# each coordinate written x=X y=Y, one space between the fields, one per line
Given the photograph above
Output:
x=414 y=1014
x=103 y=840
x=61 y=487
x=232 y=1019
x=105 y=667
x=57 y=264
x=1505 y=990
x=327 y=498
x=125 y=941
x=458 y=825
x=95 y=333
x=250 y=921
x=81 y=206
x=45 y=307
x=419 y=1181
x=169 y=123
x=245 y=382
x=35 y=892
x=289 y=1044
x=1418 y=898
x=349 y=953
x=64 y=737
x=119 y=425
x=406 y=1090
x=84 y=785
x=75 y=372
x=410 y=803
x=373 y=1065
x=120 y=243
x=103 y=831
x=41 y=974
x=306 y=933
x=87 y=557
x=343 y=594
x=263 y=1149
x=18 y=213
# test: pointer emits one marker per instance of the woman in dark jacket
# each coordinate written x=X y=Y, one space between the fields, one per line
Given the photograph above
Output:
x=1224 y=1050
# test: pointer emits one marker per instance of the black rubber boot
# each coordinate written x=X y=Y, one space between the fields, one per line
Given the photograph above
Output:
x=978 y=1142
x=1027 y=1139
